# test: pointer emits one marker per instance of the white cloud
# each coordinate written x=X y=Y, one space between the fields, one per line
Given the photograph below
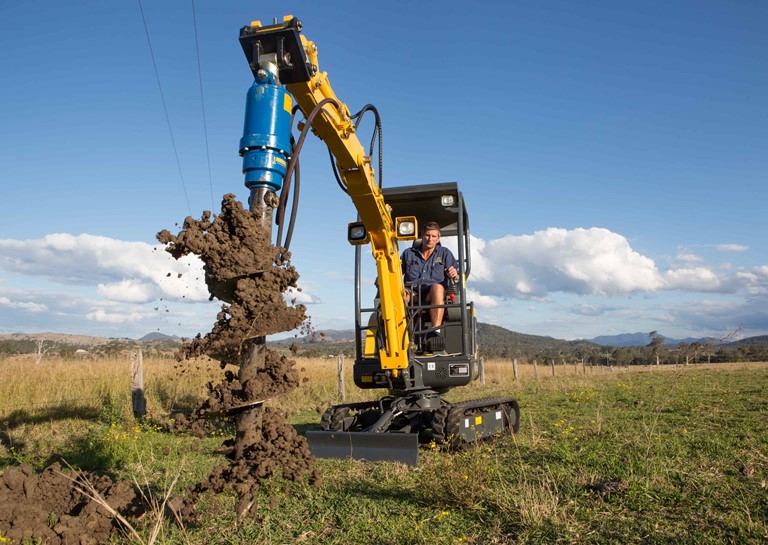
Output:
x=591 y=261
x=23 y=305
x=292 y=296
x=124 y=271
x=692 y=279
x=731 y=248
x=128 y=291
x=688 y=258
x=101 y=315
x=481 y=301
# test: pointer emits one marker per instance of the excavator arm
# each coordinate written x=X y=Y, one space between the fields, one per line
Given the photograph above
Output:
x=279 y=56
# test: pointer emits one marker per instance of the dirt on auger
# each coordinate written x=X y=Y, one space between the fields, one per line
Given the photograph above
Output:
x=237 y=253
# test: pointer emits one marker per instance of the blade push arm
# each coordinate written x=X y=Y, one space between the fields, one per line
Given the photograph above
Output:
x=280 y=56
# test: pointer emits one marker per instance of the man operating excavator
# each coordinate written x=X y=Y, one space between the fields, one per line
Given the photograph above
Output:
x=426 y=271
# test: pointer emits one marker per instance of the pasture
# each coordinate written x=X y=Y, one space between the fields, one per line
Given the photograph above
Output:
x=638 y=455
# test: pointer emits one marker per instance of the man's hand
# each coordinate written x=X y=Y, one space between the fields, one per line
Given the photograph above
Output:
x=452 y=273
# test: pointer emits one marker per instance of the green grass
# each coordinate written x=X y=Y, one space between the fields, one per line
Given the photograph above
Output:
x=646 y=456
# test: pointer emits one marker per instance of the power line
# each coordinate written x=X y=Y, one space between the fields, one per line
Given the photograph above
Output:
x=202 y=102
x=165 y=108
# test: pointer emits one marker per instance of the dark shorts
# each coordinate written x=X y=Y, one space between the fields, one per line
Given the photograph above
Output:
x=419 y=293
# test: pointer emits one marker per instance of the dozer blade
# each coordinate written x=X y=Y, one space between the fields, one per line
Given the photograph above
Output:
x=373 y=447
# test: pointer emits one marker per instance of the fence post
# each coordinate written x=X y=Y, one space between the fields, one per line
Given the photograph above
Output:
x=482 y=372
x=552 y=362
x=535 y=369
x=137 y=385
x=340 y=369
x=514 y=368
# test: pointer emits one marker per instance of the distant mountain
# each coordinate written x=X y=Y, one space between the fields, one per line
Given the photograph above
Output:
x=495 y=342
x=639 y=339
x=761 y=340
x=332 y=335
x=156 y=336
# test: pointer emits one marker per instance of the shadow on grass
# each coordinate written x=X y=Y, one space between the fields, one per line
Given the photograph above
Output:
x=23 y=417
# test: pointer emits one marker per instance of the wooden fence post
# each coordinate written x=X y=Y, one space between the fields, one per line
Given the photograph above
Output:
x=552 y=361
x=535 y=369
x=341 y=386
x=482 y=372
x=137 y=385
x=583 y=368
x=514 y=368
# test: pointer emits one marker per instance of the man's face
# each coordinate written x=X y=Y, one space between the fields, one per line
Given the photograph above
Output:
x=430 y=238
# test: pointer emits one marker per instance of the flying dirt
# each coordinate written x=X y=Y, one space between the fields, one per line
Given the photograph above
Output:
x=242 y=266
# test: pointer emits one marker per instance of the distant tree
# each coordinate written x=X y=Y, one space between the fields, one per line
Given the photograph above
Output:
x=657 y=342
x=41 y=350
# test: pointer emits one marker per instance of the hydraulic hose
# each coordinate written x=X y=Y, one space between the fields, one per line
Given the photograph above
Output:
x=292 y=166
x=358 y=117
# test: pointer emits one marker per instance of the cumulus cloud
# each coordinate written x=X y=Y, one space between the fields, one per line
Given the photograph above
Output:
x=595 y=261
x=591 y=261
x=481 y=301
x=123 y=271
x=692 y=279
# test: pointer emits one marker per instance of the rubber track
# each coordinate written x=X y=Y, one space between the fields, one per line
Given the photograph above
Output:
x=447 y=419
x=333 y=417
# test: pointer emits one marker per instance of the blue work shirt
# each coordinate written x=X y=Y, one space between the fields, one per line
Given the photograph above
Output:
x=425 y=272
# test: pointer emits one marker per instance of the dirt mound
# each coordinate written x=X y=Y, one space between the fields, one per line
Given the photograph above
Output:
x=47 y=507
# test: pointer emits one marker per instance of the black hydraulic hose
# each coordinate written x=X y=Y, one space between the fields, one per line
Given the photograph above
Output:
x=294 y=206
x=294 y=158
x=336 y=172
x=280 y=213
x=358 y=117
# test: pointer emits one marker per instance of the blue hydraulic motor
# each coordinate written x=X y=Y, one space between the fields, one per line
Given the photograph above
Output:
x=265 y=146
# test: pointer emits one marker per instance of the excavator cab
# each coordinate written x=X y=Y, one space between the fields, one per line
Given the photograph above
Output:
x=414 y=411
x=438 y=358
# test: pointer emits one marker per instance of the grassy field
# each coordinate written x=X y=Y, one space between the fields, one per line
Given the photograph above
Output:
x=644 y=455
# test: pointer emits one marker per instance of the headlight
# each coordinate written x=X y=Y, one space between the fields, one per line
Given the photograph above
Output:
x=406 y=228
x=357 y=233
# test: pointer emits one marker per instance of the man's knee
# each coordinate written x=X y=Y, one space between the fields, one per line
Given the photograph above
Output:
x=437 y=294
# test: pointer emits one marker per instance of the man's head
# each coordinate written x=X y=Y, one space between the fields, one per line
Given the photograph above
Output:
x=430 y=236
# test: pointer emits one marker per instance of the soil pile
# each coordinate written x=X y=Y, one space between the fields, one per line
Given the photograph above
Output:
x=48 y=508
x=244 y=268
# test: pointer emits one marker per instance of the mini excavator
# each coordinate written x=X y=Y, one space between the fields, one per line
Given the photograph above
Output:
x=396 y=347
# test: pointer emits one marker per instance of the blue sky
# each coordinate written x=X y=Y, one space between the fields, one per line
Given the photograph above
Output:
x=612 y=156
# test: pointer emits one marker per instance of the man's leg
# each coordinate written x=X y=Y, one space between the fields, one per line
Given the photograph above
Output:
x=436 y=296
